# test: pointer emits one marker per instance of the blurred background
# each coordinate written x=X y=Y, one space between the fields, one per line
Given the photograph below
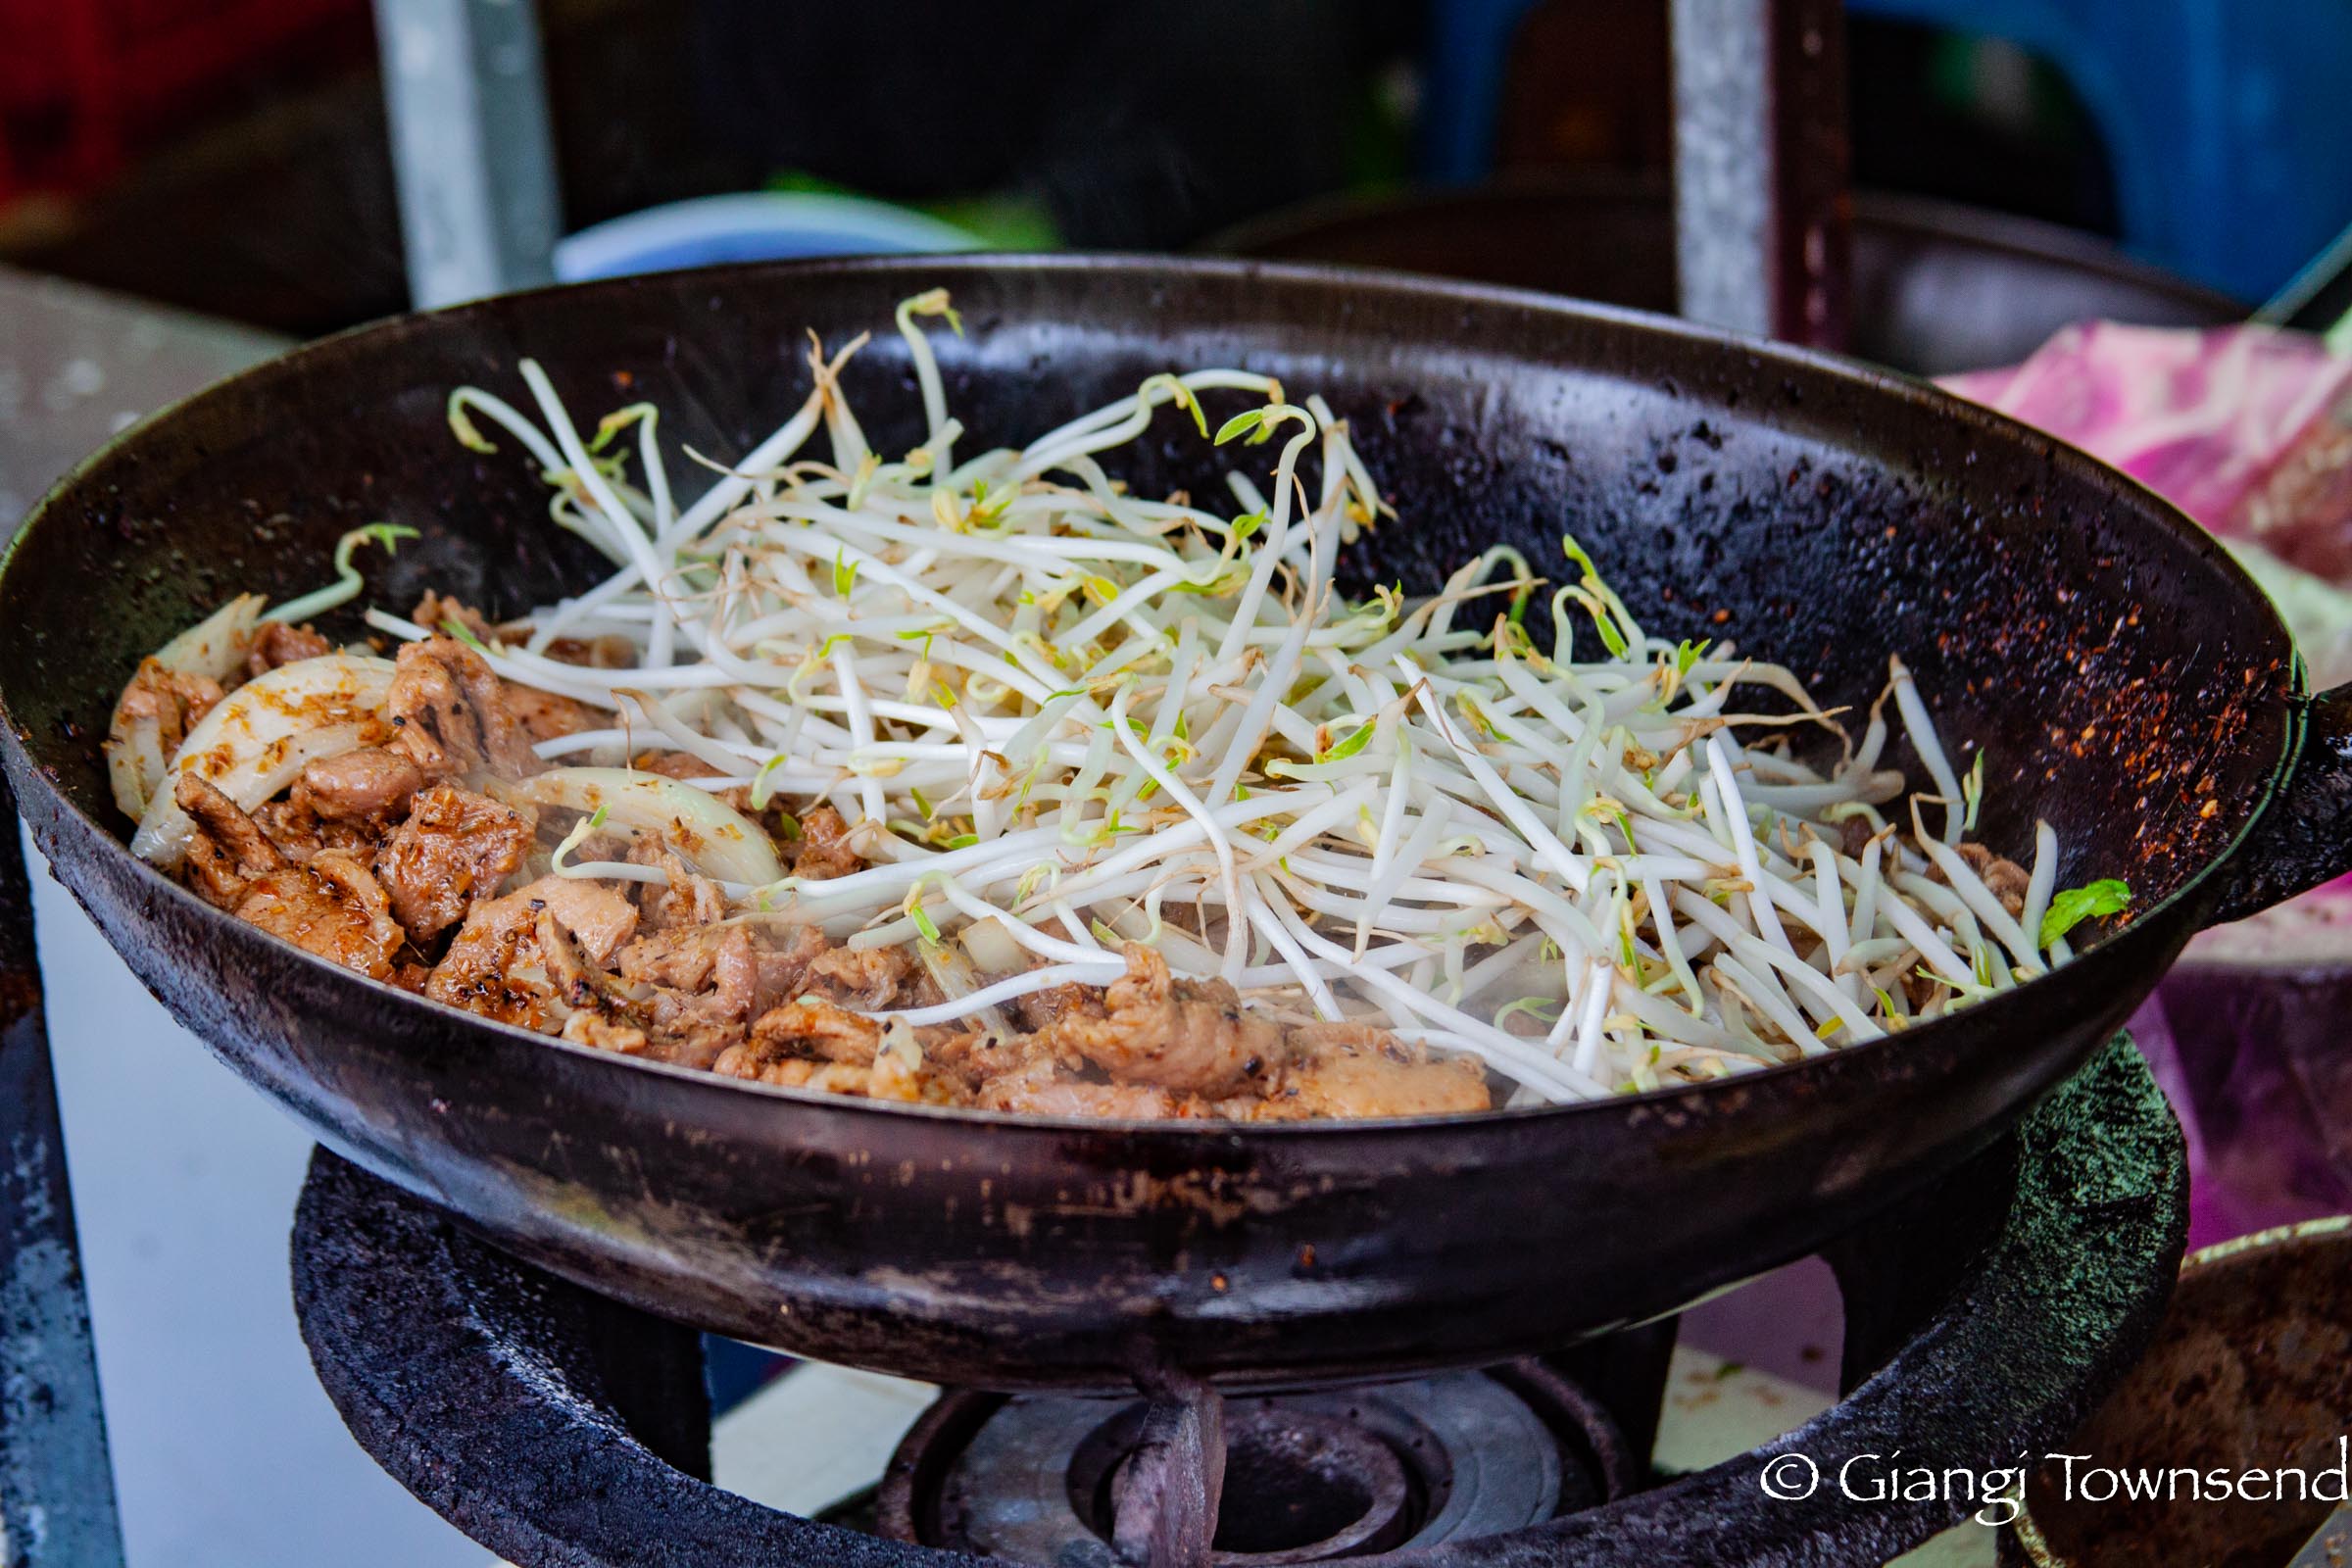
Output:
x=232 y=156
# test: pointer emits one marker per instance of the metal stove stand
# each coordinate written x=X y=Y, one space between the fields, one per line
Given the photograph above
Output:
x=1984 y=1319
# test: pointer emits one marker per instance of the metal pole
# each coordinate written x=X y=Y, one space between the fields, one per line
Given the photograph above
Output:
x=56 y=1488
x=2320 y=296
x=1762 y=217
x=470 y=146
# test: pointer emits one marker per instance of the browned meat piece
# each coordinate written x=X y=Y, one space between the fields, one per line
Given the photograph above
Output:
x=686 y=900
x=705 y=985
x=453 y=852
x=868 y=979
x=579 y=984
x=275 y=643
x=451 y=712
x=1309 y=1040
x=679 y=957
x=594 y=653
x=795 y=1072
x=783 y=959
x=494 y=965
x=844 y=1078
x=345 y=802
x=1188 y=1036
x=671 y=764
x=544 y=715
x=577 y=981
x=692 y=1040
x=719 y=958
x=1042 y=1088
x=2005 y=880
x=967 y=1057
x=808 y=1027
x=299 y=833
x=823 y=850
x=1042 y=1010
x=228 y=849
x=599 y=918
x=892 y=1077
x=330 y=906
x=751 y=1060
x=887 y=1077
x=1353 y=1070
x=435 y=610
x=588 y=1027
x=369 y=785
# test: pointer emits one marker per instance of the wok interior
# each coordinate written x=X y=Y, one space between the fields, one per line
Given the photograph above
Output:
x=2123 y=681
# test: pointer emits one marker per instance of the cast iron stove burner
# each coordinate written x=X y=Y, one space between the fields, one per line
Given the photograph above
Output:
x=1985 y=1318
x=1308 y=1476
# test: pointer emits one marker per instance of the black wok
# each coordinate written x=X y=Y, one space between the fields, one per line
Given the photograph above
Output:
x=2125 y=680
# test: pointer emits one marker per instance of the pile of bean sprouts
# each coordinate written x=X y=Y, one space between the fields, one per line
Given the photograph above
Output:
x=1063 y=717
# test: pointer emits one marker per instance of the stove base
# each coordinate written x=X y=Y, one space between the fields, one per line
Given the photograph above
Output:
x=557 y=1427
x=1308 y=1477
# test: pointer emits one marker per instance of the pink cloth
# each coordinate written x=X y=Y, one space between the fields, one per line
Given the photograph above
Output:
x=2246 y=429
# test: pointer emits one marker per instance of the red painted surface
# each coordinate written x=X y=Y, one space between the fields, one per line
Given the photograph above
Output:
x=85 y=84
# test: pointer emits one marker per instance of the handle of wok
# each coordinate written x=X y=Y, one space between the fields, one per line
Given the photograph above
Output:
x=2304 y=838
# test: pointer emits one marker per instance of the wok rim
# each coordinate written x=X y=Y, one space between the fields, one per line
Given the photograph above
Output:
x=2143 y=926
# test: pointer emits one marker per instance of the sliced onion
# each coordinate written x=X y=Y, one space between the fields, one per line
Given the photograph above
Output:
x=257 y=740
x=134 y=761
x=216 y=644
x=993 y=948
x=134 y=746
x=953 y=974
x=713 y=839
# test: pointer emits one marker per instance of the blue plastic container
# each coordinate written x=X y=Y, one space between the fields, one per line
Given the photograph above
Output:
x=749 y=227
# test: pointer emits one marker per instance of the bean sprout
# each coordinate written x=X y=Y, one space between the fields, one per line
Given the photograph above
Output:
x=1058 y=716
